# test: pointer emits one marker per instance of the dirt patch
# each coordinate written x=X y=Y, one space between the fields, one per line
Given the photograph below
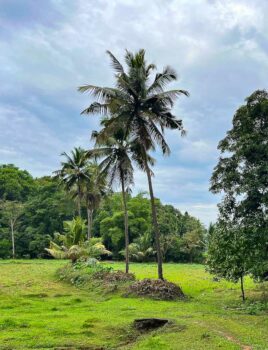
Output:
x=228 y=336
x=234 y=340
x=156 y=289
x=147 y=324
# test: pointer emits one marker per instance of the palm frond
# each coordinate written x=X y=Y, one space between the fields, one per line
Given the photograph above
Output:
x=117 y=66
x=162 y=79
x=97 y=108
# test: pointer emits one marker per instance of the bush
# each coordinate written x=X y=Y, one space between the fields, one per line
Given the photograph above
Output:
x=91 y=273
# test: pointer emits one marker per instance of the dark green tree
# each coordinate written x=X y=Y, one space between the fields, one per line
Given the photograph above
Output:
x=15 y=184
x=44 y=213
x=11 y=212
x=242 y=175
x=230 y=254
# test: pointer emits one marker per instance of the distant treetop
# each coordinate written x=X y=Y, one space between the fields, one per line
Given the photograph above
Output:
x=15 y=184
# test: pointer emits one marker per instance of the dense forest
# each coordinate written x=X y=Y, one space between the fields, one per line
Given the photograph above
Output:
x=38 y=207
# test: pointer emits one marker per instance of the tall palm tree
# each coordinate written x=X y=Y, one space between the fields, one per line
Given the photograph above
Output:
x=73 y=173
x=116 y=164
x=94 y=190
x=140 y=104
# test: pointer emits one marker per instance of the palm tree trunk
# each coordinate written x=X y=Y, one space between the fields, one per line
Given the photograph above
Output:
x=12 y=239
x=155 y=224
x=126 y=223
x=242 y=288
x=79 y=200
x=89 y=223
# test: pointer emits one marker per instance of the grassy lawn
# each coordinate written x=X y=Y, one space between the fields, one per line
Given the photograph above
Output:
x=39 y=312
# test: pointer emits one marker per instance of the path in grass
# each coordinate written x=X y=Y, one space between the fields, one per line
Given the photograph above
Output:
x=39 y=312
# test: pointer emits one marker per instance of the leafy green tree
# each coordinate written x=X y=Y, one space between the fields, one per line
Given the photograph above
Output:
x=229 y=254
x=241 y=174
x=11 y=212
x=44 y=213
x=5 y=248
x=112 y=231
x=140 y=222
x=15 y=184
x=143 y=109
x=182 y=236
x=193 y=244
x=73 y=173
x=109 y=221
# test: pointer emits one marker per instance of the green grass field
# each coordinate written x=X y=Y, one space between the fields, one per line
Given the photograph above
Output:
x=39 y=312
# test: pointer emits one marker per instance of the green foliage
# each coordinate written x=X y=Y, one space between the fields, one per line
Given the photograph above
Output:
x=141 y=249
x=73 y=173
x=74 y=232
x=15 y=184
x=241 y=174
x=228 y=255
x=72 y=243
x=5 y=248
x=11 y=212
x=44 y=214
x=49 y=206
x=82 y=272
x=95 y=187
x=182 y=236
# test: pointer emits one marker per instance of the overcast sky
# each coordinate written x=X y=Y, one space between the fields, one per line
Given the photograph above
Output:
x=49 y=48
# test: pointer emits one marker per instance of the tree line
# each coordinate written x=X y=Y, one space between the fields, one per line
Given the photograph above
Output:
x=42 y=209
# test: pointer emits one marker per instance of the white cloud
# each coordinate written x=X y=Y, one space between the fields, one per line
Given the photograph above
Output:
x=218 y=47
x=201 y=151
x=206 y=212
x=244 y=15
x=31 y=143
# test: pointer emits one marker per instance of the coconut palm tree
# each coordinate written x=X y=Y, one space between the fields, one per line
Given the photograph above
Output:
x=142 y=106
x=73 y=173
x=116 y=165
x=94 y=189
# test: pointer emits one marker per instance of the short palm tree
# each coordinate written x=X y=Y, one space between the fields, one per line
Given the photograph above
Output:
x=116 y=165
x=72 y=243
x=73 y=173
x=142 y=106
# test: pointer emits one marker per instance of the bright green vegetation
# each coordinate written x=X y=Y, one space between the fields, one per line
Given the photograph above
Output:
x=39 y=312
x=47 y=206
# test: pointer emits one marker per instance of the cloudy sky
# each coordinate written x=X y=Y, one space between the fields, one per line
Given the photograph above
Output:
x=49 y=48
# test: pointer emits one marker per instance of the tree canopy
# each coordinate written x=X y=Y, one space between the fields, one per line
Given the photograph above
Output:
x=239 y=243
x=15 y=184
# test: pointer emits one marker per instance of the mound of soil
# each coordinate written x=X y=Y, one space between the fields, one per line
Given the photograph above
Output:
x=156 y=289
x=114 y=276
